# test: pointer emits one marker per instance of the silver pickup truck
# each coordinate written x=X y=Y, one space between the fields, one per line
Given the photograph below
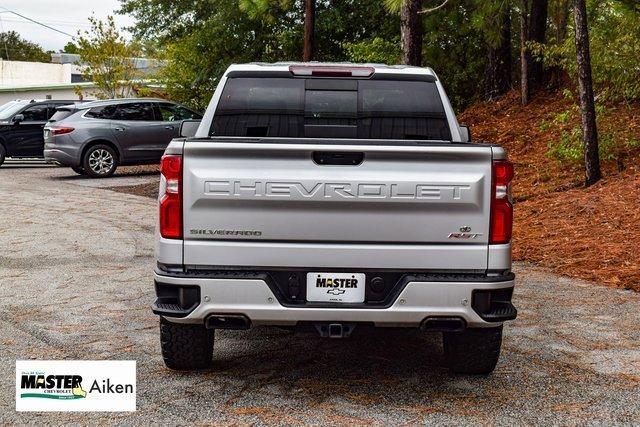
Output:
x=330 y=197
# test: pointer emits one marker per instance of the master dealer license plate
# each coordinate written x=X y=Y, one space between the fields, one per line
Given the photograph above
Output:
x=335 y=287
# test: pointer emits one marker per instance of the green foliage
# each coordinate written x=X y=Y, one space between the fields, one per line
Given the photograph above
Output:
x=569 y=150
x=15 y=48
x=393 y=6
x=264 y=9
x=376 y=50
x=70 y=47
x=614 y=36
x=350 y=21
x=196 y=61
x=201 y=42
x=201 y=38
x=485 y=16
x=106 y=58
x=456 y=51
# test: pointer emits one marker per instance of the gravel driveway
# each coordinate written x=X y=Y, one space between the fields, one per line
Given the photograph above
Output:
x=75 y=283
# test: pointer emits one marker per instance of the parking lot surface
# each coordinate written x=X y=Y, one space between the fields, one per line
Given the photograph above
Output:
x=75 y=283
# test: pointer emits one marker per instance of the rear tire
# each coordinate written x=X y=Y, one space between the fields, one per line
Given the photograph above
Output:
x=78 y=170
x=100 y=161
x=474 y=351
x=186 y=347
x=3 y=154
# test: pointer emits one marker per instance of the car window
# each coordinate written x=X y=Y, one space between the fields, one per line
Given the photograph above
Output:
x=36 y=113
x=11 y=110
x=135 y=111
x=261 y=107
x=364 y=109
x=53 y=108
x=10 y=104
x=173 y=113
x=60 y=114
x=103 y=112
x=329 y=104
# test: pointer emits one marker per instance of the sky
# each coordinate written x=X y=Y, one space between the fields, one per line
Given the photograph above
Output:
x=68 y=16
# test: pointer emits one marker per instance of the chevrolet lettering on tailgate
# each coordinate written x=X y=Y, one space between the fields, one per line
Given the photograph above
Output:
x=247 y=189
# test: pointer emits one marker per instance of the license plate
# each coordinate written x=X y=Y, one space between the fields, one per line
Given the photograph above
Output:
x=335 y=287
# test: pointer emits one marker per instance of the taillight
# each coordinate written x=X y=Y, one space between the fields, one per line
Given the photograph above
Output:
x=60 y=130
x=171 y=201
x=330 y=71
x=501 y=207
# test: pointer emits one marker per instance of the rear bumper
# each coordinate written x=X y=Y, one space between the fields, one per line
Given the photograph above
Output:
x=59 y=157
x=62 y=151
x=416 y=301
x=407 y=257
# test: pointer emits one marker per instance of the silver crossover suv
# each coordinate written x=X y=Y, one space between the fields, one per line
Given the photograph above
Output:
x=96 y=137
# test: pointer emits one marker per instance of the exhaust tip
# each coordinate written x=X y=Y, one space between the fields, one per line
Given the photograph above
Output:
x=227 y=321
x=443 y=324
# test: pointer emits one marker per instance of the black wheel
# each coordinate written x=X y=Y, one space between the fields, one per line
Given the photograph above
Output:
x=474 y=351
x=78 y=170
x=100 y=161
x=185 y=346
x=3 y=153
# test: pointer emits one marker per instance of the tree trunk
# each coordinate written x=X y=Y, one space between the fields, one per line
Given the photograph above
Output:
x=537 y=33
x=524 y=61
x=309 y=29
x=498 y=70
x=585 y=88
x=561 y=19
x=411 y=32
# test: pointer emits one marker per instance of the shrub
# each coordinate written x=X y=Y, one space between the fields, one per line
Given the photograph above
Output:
x=614 y=36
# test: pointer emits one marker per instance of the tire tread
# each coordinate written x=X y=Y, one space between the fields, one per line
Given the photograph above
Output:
x=186 y=347
x=474 y=351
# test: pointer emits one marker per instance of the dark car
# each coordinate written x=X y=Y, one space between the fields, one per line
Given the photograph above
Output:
x=98 y=136
x=21 y=124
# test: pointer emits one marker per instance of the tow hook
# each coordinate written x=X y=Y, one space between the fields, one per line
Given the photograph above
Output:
x=335 y=330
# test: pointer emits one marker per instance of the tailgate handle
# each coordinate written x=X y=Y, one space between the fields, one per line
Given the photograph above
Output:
x=347 y=158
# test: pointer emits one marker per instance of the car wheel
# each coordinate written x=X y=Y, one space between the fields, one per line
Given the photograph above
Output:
x=185 y=346
x=3 y=153
x=100 y=161
x=78 y=170
x=473 y=351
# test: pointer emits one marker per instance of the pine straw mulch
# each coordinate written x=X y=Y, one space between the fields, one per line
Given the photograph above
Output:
x=590 y=233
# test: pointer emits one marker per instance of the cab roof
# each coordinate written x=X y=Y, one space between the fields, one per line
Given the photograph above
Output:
x=376 y=69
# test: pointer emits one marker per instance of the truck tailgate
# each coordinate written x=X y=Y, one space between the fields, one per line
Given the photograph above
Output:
x=264 y=204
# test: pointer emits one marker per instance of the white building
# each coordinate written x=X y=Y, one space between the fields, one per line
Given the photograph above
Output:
x=59 y=79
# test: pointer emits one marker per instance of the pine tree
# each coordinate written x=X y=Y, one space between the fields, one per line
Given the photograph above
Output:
x=411 y=32
x=309 y=29
x=585 y=88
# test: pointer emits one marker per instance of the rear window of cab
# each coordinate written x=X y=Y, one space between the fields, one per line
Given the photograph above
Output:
x=330 y=108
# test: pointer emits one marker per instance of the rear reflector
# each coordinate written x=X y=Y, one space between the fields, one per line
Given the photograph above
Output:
x=330 y=71
x=60 y=130
x=501 y=207
x=171 y=201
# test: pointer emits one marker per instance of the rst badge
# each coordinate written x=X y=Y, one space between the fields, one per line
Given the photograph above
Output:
x=464 y=234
